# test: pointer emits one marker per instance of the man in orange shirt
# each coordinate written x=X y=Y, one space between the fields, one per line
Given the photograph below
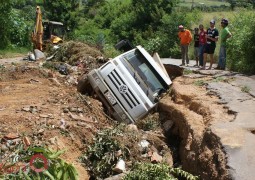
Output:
x=185 y=39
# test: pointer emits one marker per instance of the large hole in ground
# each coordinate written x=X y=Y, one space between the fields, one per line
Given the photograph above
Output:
x=194 y=145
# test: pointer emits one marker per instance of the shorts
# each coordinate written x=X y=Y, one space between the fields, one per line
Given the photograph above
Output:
x=209 y=48
x=196 y=51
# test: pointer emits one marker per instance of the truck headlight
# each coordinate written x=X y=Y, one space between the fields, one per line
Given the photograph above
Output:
x=110 y=98
x=98 y=81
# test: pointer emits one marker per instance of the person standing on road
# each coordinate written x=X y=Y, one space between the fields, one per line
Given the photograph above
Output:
x=196 y=45
x=224 y=35
x=185 y=39
x=202 y=42
x=212 y=35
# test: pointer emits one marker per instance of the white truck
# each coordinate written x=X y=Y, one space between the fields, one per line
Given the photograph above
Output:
x=130 y=84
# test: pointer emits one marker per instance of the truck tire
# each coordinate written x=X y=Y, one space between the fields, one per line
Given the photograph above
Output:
x=84 y=86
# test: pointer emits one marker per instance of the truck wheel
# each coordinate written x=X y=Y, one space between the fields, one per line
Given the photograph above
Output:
x=84 y=86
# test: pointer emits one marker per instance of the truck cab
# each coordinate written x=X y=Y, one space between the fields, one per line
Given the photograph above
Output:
x=130 y=84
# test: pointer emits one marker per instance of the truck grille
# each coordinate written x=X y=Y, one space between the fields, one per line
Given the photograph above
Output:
x=123 y=89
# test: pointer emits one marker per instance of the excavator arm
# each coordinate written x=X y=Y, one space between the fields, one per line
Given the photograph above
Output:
x=37 y=34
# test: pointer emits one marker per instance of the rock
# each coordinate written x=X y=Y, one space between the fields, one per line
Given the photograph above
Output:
x=26 y=141
x=156 y=158
x=78 y=118
x=80 y=110
x=65 y=110
x=11 y=136
x=83 y=124
x=41 y=131
x=168 y=159
x=9 y=143
x=43 y=116
x=120 y=166
x=27 y=109
x=39 y=55
x=73 y=109
x=53 y=140
x=144 y=144
x=132 y=127
x=4 y=148
x=72 y=136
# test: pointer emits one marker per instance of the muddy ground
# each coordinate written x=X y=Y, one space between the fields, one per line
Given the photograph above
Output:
x=42 y=104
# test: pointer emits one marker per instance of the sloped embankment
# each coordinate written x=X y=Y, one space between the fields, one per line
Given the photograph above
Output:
x=192 y=111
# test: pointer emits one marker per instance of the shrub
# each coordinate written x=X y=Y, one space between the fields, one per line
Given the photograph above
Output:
x=144 y=171
x=241 y=47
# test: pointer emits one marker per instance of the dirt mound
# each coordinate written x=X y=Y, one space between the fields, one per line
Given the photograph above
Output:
x=76 y=53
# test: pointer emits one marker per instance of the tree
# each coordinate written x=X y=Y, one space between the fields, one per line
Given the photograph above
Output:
x=5 y=11
x=151 y=12
x=65 y=11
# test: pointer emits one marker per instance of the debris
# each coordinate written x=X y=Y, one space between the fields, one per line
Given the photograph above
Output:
x=82 y=124
x=33 y=81
x=39 y=55
x=144 y=144
x=27 y=109
x=132 y=127
x=43 y=116
x=62 y=124
x=62 y=69
x=72 y=136
x=156 y=158
x=26 y=141
x=53 y=140
x=78 y=118
x=31 y=56
x=4 y=148
x=11 y=136
x=120 y=166
x=41 y=131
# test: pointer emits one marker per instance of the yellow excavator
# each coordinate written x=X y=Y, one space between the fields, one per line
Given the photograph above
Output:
x=46 y=32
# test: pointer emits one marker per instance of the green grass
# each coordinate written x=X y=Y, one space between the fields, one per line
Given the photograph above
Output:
x=199 y=82
x=13 y=52
x=245 y=89
x=187 y=71
x=202 y=3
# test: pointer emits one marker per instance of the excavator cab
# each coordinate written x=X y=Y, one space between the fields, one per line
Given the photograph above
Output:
x=53 y=31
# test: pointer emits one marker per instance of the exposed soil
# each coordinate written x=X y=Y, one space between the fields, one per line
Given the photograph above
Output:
x=192 y=110
x=35 y=102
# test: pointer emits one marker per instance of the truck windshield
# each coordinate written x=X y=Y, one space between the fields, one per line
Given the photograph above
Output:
x=147 y=73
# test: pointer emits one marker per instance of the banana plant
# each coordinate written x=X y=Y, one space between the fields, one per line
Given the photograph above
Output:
x=56 y=168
